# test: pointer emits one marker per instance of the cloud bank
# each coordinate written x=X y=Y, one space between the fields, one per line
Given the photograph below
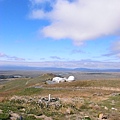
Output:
x=79 y=20
x=114 y=50
x=66 y=64
x=8 y=57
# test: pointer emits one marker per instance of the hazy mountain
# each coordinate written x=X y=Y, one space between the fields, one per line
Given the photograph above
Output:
x=56 y=69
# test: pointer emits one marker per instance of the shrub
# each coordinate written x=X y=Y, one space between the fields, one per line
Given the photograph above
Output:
x=4 y=116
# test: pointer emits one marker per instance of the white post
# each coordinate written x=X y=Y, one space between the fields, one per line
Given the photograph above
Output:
x=49 y=97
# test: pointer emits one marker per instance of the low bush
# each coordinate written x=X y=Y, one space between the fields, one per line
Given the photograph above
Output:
x=4 y=116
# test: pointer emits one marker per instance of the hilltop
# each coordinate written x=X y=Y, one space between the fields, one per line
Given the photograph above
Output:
x=94 y=98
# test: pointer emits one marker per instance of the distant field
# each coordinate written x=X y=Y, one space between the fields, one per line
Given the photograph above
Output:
x=22 y=72
x=78 y=75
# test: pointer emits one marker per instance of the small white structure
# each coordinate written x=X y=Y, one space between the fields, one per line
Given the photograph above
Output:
x=49 y=97
x=58 y=79
x=70 y=79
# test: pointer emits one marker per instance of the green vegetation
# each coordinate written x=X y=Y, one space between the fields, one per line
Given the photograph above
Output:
x=26 y=110
x=112 y=102
x=14 y=85
x=22 y=83
x=72 y=108
x=4 y=116
x=30 y=91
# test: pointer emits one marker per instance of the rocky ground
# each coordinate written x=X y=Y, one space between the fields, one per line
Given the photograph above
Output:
x=104 y=105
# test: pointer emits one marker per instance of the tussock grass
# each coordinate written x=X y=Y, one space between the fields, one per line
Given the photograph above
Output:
x=14 y=84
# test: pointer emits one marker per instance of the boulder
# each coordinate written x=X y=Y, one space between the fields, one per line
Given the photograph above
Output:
x=14 y=116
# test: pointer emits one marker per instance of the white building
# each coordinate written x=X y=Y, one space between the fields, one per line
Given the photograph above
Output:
x=70 y=79
x=59 y=79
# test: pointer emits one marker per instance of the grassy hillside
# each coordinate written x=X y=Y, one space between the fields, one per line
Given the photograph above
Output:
x=23 y=83
x=76 y=99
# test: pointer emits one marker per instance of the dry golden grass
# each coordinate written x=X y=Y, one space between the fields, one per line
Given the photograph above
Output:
x=66 y=89
x=89 y=83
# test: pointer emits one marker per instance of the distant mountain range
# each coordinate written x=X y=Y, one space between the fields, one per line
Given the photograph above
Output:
x=56 y=69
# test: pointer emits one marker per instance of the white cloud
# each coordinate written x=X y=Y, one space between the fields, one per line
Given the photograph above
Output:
x=3 y=55
x=80 y=20
x=8 y=57
x=77 y=51
x=116 y=46
x=114 y=49
x=66 y=64
x=55 y=57
x=37 y=14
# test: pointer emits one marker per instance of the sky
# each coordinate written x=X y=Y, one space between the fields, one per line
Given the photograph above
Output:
x=60 y=33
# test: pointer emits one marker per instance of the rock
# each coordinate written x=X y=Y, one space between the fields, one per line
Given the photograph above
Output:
x=105 y=117
x=114 y=108
x=68 y=111
x=23 y=109
x=43 y=117
x=96 y=107
x=14 y=116
x=48 y=118
x=100 y=115
x=97 y=94
x=115 y=94
x=112 y=102
x=1 y=111
x=105 y=108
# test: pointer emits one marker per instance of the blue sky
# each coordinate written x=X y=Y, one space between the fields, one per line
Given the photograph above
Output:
x=60 y=33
